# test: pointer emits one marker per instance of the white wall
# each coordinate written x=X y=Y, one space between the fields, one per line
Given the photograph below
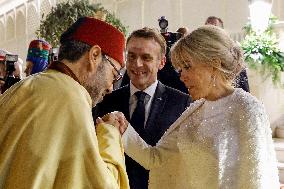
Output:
x=133 y=13
x=271 y=96
x=190 y=13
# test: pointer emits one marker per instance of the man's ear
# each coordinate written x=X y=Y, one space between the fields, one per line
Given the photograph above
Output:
x=162 y=62
x=95 y=55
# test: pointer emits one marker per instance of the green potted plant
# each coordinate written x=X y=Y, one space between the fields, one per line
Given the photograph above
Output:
x=66 y=13
x=262 y=52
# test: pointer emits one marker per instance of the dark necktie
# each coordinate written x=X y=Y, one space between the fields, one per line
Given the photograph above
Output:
x=138 y=116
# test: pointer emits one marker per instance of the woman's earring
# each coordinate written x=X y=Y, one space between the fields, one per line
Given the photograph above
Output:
x=214 y=81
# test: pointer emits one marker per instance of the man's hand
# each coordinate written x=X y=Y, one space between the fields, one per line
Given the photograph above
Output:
x=116 y=119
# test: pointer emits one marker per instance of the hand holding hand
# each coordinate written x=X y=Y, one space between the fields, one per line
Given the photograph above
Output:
x=116 y=119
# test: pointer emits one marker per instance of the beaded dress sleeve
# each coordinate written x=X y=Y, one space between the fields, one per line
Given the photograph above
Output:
x=257 y=159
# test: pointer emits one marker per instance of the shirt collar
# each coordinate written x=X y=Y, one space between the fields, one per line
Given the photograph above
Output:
x=61 y=67
x=149 y=90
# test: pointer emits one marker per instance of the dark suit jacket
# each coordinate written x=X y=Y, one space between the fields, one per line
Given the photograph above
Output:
x=167 y=105
x=241 y=81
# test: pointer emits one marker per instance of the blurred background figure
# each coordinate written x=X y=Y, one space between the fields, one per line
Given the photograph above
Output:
x=169 y=75
x=241 y=80
x=183 y=30
x=2 y=68
x=17 y=70
x=213 y=20
x=37 y=57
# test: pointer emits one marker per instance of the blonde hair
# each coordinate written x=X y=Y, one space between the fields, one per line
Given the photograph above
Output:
x=208 y=44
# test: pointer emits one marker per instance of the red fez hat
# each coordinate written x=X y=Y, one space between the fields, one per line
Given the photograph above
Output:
x=96 y=32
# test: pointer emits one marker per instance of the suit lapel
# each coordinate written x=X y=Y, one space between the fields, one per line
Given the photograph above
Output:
x=124 y=101
x=158 y=103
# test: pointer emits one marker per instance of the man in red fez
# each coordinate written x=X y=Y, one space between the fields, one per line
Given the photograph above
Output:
x=48 y=138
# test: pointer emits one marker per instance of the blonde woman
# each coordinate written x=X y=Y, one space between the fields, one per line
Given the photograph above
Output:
x=223 y=140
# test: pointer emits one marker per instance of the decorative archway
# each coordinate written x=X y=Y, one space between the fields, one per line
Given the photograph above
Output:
x=32 y=21
x=20 y=24
x=2 y=30
x=10 y=28
x=45 y=7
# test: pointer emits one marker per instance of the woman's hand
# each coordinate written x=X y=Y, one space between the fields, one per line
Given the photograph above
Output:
x=116 y=119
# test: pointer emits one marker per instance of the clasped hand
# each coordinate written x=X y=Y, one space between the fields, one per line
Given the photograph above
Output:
x=116 y=119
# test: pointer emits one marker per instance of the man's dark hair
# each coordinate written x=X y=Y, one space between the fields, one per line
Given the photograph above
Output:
x=210 y=18
x=72 y=50
x=149 y=33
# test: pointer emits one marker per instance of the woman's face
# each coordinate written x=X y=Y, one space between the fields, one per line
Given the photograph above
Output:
x=198 y=77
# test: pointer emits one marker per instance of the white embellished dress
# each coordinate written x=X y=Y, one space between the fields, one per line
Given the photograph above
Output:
x=222 y=144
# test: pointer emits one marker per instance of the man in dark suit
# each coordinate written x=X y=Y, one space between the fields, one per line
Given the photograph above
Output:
x=161 y=105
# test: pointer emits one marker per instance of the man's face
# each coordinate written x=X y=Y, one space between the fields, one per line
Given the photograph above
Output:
x=197 y=77
x=29 y=68
x=144 y=60
x=2 y=70
x=100 y=82
x=2 y=75
x=18 y=70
